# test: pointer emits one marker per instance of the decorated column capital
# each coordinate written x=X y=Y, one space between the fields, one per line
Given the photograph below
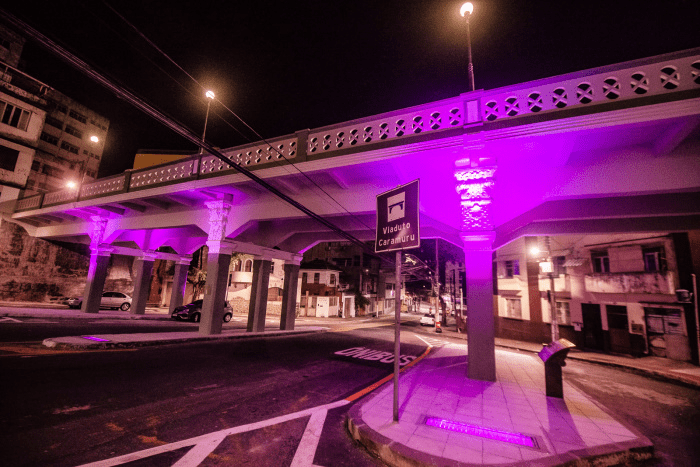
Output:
x=218 y=218
x=475 y=187
x=97 y=232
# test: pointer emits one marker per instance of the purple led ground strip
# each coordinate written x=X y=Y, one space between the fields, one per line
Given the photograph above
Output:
x=515 y=438
x=93 y=338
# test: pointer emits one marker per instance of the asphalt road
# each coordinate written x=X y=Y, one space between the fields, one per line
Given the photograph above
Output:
x=72 y=409
x=666 y=413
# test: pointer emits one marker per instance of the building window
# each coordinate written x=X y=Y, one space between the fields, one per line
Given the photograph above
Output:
x=563 y=313
x=36 y=166
x=248 y=265
x=601 y=261
x=74 y=131
x=513 y=308
x=304 y=278
x=238 y=266
x=559 y=268
x=8 y=158
x=54 y=122
x=14 y=116
x=69 y=147
x=512 y=268
x=272 y=268
x=49 y=138
x=332 y=281
x=317 y=278
x=61 y=108
x=77 y=116
x=654 y=259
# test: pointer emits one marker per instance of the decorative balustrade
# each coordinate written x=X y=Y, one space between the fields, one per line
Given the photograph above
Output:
x=279 y=150
x=163 y=174
x=30 y=202
x=422 y=119
x=579 y=89
x=59 y=197
x=649 y=77
x=103 y=187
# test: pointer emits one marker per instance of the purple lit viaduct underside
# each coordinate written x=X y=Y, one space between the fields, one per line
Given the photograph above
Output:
x=613 y=149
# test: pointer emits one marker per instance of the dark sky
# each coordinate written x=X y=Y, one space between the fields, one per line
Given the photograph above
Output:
x=287 y=66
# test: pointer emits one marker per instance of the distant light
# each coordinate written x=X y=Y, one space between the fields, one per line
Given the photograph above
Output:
x=71 y=184
x=210 y=95
x=94 y=139
x=483 y=432
x=534 y=251
x=96 y=339
x=546 y=267
x=466 y=8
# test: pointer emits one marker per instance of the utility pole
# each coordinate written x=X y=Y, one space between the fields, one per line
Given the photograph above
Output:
x=552 y=302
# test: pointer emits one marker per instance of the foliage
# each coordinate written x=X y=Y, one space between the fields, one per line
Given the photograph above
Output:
x=360 y=301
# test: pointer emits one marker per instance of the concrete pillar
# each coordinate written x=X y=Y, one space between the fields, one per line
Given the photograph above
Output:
x=478 y=258
x=177 y=294
x=142 y=283
x=217 y=268
x=289 y=296
x=258 y=295
x=97 y=270
x=475 y=185
x=97 y=273
x=215 y=292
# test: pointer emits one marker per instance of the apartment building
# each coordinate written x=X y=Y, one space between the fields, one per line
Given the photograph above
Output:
x=620 y=293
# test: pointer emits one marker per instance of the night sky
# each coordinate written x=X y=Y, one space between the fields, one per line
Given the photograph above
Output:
x=287 y=66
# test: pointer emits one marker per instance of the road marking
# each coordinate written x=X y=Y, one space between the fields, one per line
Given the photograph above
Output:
x=204 y=445
x=7 y=319
x=306 y=451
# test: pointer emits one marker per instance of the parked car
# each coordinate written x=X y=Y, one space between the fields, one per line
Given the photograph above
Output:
x=193 y=312
x=112 y=300
x=427 y=320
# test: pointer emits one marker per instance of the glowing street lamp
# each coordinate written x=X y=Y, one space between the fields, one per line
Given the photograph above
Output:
x=466 y=12
x=210 y=96
x=94 y=139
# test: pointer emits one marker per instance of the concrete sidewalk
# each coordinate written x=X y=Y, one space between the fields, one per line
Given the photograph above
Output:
x=447 y=419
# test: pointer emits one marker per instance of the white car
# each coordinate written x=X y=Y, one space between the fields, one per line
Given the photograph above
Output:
x=113 y=300
x=427 y=320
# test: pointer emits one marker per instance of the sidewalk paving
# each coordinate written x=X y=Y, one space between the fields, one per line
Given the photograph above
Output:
x=471 y=422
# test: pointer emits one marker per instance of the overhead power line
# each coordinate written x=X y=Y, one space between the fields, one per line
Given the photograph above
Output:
x=164 y=119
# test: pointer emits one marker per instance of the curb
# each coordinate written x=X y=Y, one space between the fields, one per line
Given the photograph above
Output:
x=54 y=342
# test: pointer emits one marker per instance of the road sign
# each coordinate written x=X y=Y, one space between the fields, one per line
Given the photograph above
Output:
x=398 y=226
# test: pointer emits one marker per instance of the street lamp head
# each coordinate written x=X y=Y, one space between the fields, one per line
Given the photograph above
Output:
x=71 y=185
x=94 y=139
x=210 y=95
x=535 y=251
x=467 y=8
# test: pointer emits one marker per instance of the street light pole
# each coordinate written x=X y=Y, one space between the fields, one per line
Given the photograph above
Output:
x=552 y=302
x=210 y=97
x=466 y=12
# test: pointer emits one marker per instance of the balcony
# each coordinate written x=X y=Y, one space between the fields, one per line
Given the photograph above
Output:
x=631 y=282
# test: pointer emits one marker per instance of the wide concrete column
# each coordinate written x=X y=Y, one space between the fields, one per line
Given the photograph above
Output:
x=218 y=263
x=97 y=270
x=217 y=268
x=97 y=274
x=142 y=283
x=475 y=185
x=177 y=293
x=258 y=294
x=289 y=295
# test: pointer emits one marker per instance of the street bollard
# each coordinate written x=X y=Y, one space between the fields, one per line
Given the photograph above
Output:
x=554 y=355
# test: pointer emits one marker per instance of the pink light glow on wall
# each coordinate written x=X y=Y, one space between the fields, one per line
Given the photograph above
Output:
x=483 y=432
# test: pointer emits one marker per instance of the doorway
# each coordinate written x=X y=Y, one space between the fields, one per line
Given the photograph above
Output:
x=619 y=329
x=592 y=326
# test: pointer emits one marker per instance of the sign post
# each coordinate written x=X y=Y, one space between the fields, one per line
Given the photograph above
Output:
x=398 y=228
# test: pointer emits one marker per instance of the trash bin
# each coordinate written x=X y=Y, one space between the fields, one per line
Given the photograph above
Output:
x=554 y=355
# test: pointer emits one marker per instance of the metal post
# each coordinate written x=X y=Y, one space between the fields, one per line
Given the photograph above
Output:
x=697 y=322
x=552 y=302
x=397 y=334
x=206 y=119
x=469 y=51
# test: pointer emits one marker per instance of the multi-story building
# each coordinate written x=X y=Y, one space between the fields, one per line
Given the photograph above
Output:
x=66 y=139
x=619 y=293
x=319 y=289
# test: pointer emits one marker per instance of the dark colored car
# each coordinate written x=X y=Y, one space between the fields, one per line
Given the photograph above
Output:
x=193 y=312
